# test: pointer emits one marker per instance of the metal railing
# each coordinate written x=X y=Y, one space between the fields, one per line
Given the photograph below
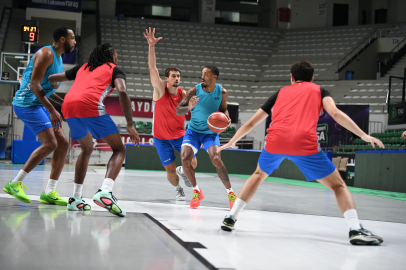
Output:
x=354 y=52
x=378 y=33
x=398 y=47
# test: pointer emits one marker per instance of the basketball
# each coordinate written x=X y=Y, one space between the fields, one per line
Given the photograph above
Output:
x=217 y=122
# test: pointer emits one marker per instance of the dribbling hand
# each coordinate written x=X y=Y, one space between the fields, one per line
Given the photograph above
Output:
x=150 y=36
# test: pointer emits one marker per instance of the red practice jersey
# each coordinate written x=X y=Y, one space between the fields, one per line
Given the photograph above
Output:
x=90 y=88
x=167 y=125
x=295 y=111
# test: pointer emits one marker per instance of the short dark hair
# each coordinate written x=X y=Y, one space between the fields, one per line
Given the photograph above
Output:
x=302 y=71
x=214 y=70
x=169 y=69
x=61 y=31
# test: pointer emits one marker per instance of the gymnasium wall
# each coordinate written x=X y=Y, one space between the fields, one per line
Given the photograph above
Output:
x=381 y=170
x=365 y=66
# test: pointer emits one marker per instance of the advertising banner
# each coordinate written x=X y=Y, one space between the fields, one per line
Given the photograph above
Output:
x=397 y=113
x=145 y=108
x=62 y=5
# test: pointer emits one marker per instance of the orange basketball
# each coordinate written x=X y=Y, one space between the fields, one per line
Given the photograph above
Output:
x=217 y=122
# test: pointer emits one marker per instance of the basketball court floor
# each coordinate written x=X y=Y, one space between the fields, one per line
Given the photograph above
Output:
x=288 y=225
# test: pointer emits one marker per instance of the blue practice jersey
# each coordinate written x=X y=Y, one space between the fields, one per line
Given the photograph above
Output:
x=208 y=103
x=25 y=97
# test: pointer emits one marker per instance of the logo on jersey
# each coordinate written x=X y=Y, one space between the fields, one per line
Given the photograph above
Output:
x=216 y=98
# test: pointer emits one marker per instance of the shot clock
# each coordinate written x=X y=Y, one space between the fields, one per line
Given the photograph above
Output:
x=30 y=31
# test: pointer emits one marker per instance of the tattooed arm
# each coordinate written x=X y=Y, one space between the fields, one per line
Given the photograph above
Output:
x=223 y=105
x=185 y=106
x=125 y=103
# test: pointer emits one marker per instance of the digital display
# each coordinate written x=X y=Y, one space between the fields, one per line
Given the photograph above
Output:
x=30 y=31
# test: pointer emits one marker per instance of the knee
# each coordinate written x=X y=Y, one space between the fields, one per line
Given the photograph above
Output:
x=88 y=149
x=185 y=157
x=338 y=186
x=216 y=160
x=63 y=144
x=51 y=145
x=120 y=150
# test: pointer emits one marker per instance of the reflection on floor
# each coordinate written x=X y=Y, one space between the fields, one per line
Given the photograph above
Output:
x=284 y=227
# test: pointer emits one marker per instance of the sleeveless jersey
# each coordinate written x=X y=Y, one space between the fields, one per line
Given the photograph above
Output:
x=88 y=91
x=294 y=120
x=166 y=124
x=25 y=97
x=208 y=103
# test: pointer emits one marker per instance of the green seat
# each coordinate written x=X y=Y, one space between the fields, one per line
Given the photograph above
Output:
x=139 y=126
x=148 y=127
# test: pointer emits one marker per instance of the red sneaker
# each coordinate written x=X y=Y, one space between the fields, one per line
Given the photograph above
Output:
x=232 y=197
x=197 y=197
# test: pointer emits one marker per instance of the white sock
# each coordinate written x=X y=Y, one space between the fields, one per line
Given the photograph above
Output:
x=77 y=190
x=108 y=185
x=352 y=219
x=20 y=176
x=196 y=188
x=178 y=187
x=237 y=207
x=181 y=170
x=229 y=190
x=51 y=185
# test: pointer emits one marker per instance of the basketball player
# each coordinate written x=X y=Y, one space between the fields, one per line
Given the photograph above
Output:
x=202 y=100
x=86 y=115
x=295 y=111
x=32 y=106
x=168 y=128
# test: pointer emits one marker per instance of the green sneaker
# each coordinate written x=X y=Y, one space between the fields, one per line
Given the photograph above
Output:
x=52 y=198
x=16 y=190
x=77 y=204
x=107 y=200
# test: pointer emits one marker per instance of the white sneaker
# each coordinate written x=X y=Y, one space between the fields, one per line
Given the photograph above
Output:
x=183 y=175
x=180 y=195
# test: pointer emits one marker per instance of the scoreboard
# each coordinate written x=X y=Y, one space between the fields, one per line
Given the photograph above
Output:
x=30 y=31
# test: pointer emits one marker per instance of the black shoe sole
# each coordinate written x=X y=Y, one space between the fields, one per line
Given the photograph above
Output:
x=225 y=228
x=358 y=242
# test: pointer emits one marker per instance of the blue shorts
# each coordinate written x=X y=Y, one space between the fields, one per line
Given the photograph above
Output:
x=165 y=149
x=35 y=117
x=314 y=167
x=196 y=139
x=99 y=126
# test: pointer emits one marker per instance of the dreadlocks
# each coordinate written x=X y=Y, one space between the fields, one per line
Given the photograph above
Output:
x=102 y=54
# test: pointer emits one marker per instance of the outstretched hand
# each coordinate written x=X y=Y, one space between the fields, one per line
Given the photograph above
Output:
x=150 y=36
x=403 y=135
x=227 y=145
x=372 y=141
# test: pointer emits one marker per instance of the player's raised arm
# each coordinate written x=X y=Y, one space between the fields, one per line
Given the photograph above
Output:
x=156 y=81
x=258 y=117
x=43 y=59
x=345 y=121
x=188 y=102
x=125 y=103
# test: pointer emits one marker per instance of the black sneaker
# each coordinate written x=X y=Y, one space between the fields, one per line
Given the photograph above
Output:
x=364 y=237
x=228 y=223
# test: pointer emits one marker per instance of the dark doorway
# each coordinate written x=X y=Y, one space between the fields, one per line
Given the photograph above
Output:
x=380 y=15
x=364 y=17
x=340 y=14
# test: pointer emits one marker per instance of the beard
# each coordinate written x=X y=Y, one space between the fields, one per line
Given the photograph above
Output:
x=68 y=48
